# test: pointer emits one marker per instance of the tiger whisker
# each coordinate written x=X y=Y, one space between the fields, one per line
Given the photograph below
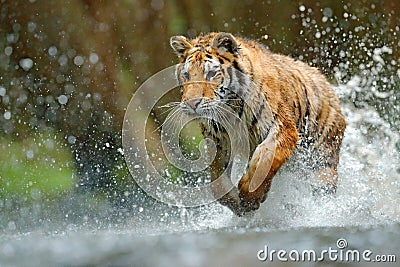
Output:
x=214 y=113
x=231 y=99
x=168 y=105
x=169 y=118
x=227 y=110
x=168 y=110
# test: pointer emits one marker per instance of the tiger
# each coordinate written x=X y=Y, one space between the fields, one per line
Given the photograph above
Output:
x=290 y=106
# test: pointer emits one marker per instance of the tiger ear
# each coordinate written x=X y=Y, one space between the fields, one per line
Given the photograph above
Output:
x=226 y=42
x=180 y=44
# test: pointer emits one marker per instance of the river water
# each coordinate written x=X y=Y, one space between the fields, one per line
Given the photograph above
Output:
x=365 y=212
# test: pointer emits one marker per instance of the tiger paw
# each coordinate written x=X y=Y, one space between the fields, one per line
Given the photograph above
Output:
x=236 y=205
x=250 y=201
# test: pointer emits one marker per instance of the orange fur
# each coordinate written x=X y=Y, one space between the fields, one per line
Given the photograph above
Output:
x=305 y=109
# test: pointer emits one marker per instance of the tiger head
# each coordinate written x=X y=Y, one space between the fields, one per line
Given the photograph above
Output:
x=209 y=65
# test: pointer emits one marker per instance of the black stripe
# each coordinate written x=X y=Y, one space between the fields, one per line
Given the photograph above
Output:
x=215 y=127
x=237 y=88
x=236 y=66
x=305 y=99
x=258 y=114
x=251 y=68
x=301 y=115
x=186 y=75
x=241 y=77
x=299 y=106
x=225 y=58
x=179 y=80
x=223 y=71
x=241 y=108
x=229 y=69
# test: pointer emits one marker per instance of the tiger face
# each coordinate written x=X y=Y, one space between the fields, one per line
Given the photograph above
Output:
x=200 y=79
x=205 y=71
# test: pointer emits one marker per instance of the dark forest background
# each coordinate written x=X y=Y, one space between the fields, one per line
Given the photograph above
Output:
x=69 y=68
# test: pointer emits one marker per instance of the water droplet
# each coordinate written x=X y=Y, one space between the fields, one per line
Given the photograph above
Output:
x=3 y=91
x=7 y=115
x=71 y=139
x=328 y=12
x=30 y=154
x=12 y=38
x=63 y=60
x=8 y=51
x=62 y=99
x=93 y=58
x=16 y=27
x=78 y=60
x=52 y=51
x=31 y=26
x=26 y=64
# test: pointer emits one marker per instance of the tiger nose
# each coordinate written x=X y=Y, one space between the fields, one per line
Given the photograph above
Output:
x=194 y=103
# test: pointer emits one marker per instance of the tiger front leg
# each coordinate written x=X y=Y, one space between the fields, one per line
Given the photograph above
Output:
x=327 y=155
x=267 y=158
x=327 y=180
x=325 y=169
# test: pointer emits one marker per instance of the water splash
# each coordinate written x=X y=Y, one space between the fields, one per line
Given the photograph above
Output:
x=368 y=189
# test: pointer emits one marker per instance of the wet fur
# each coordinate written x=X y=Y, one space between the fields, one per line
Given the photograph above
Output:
x=305 y=110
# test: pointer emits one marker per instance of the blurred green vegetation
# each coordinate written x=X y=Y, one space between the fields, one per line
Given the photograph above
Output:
x=36 y=167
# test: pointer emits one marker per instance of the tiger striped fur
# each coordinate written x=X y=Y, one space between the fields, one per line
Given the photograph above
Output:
x=290 y=105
